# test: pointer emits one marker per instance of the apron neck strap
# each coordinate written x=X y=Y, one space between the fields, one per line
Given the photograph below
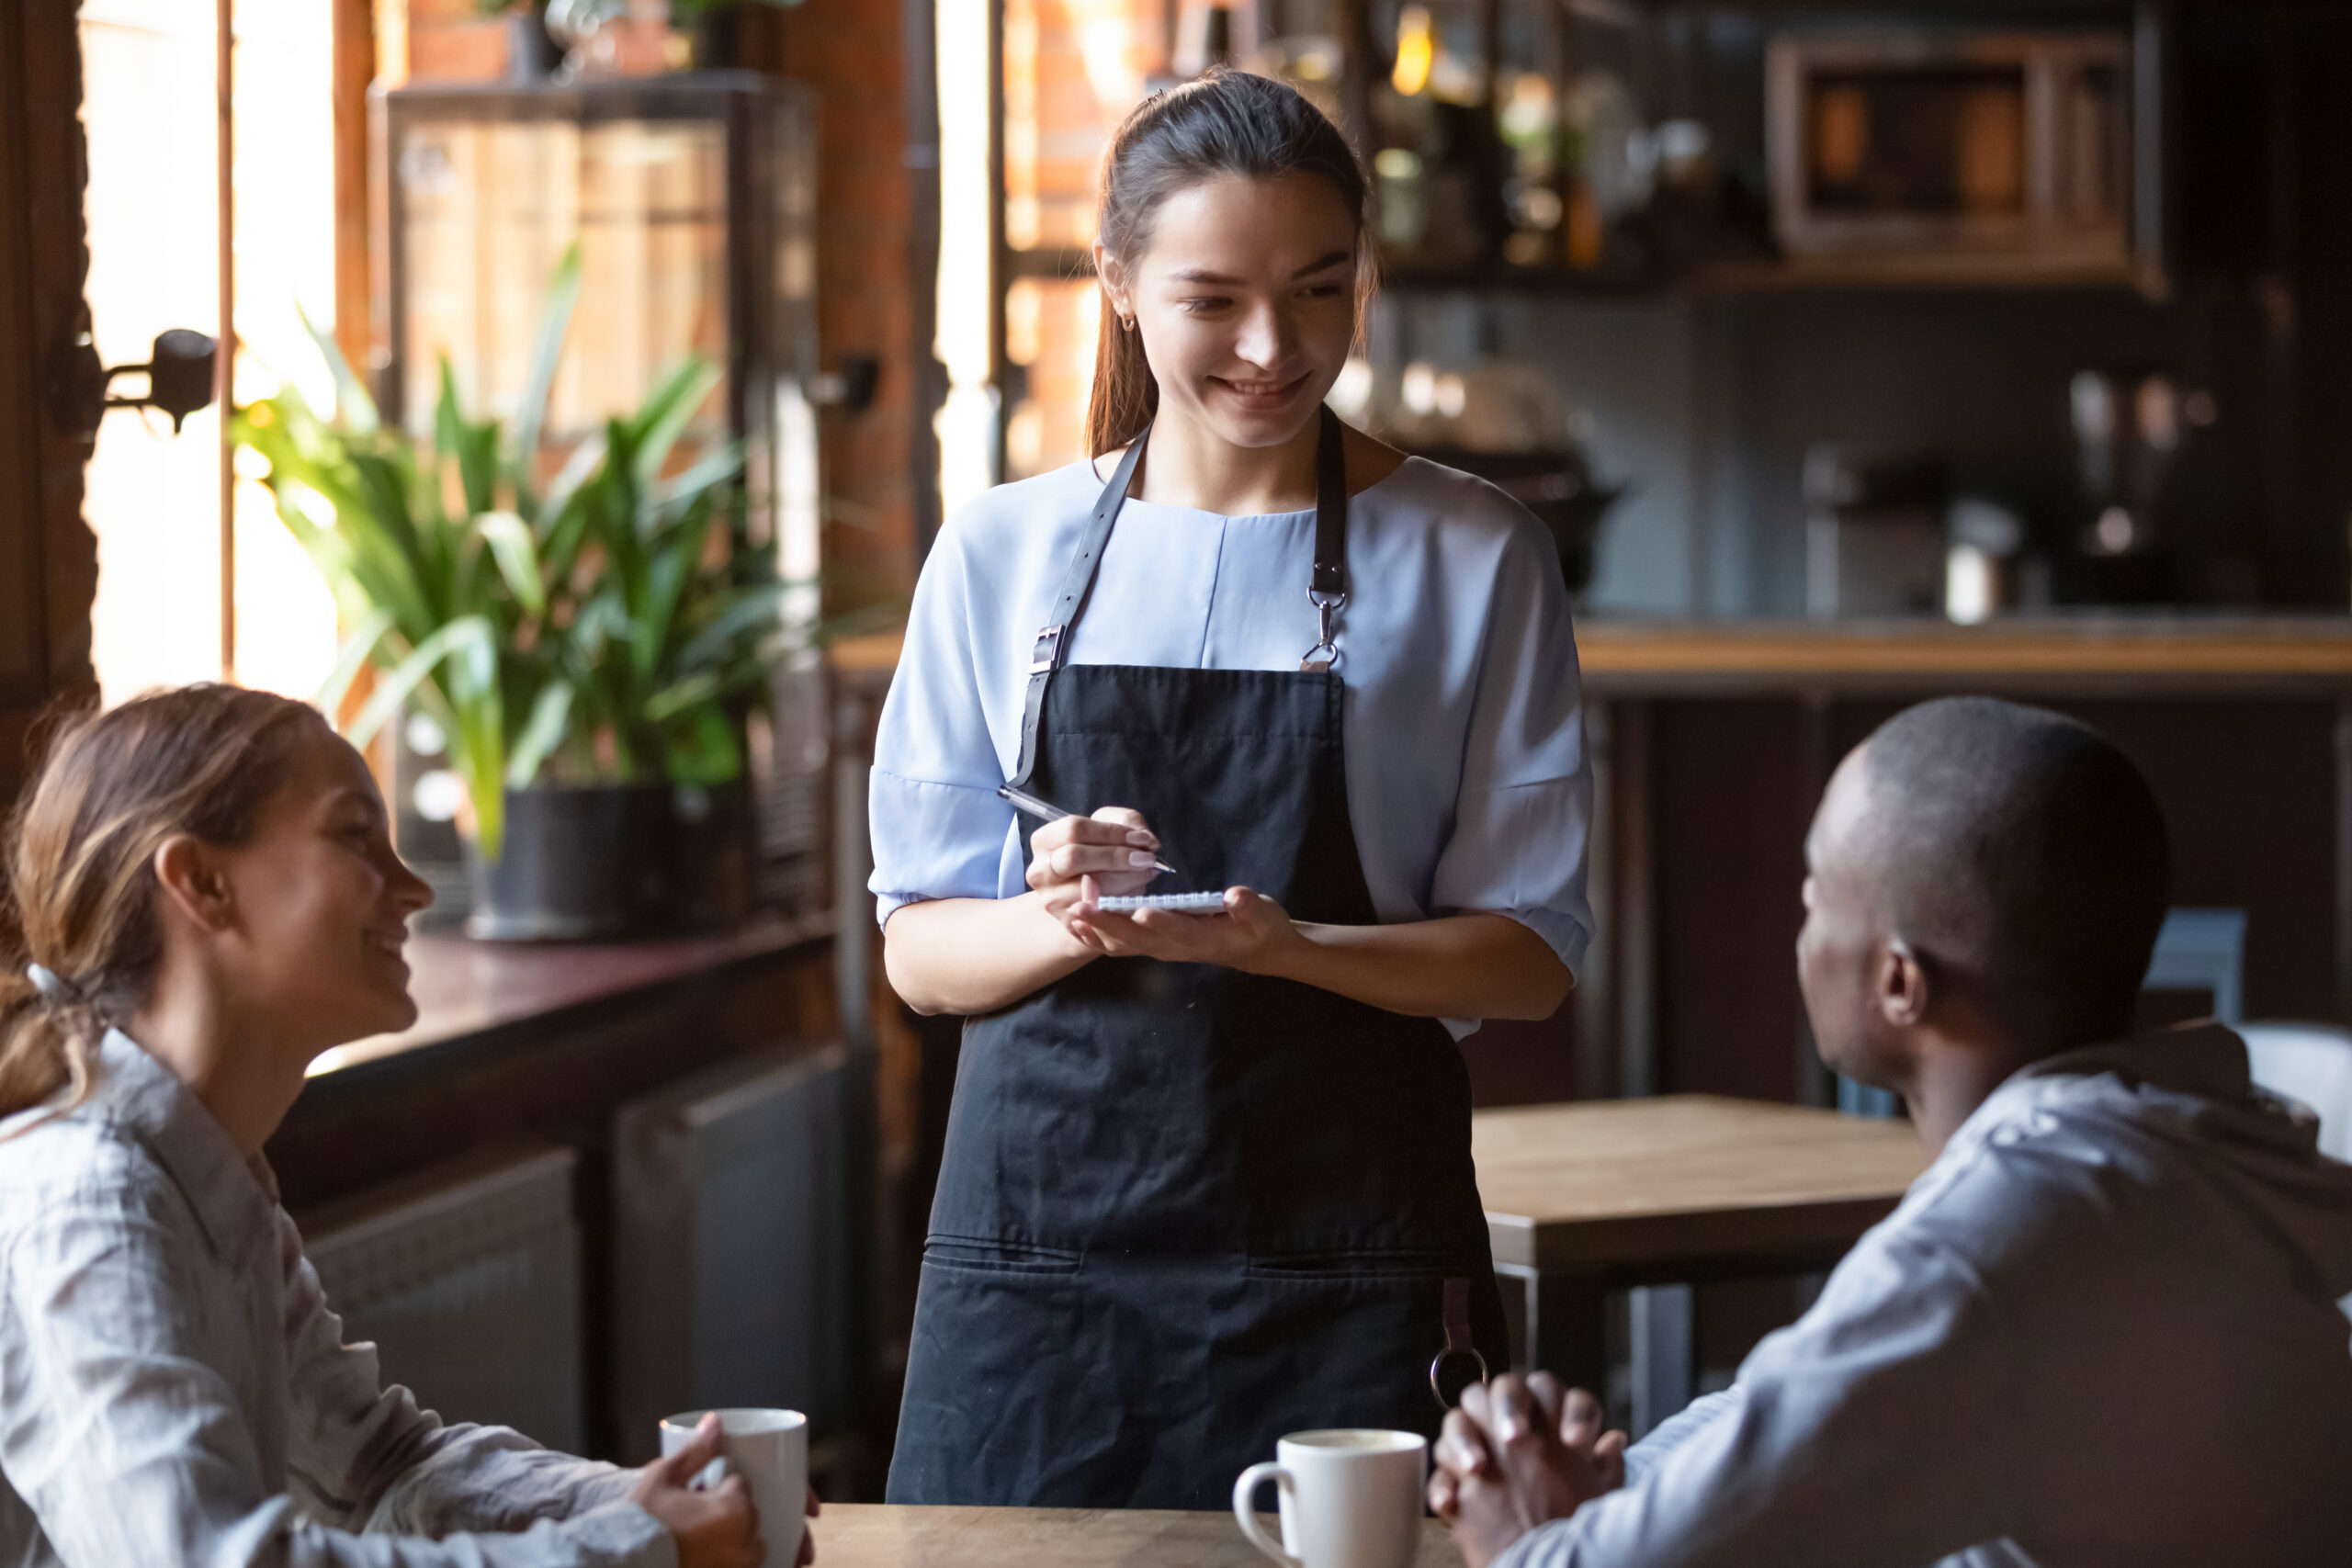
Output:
x=1327 y=589
x=1330 y=579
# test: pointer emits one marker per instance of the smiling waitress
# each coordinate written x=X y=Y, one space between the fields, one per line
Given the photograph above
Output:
x=1207 y=1177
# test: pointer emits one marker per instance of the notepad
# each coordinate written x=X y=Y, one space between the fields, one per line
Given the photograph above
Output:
x=1183 y=903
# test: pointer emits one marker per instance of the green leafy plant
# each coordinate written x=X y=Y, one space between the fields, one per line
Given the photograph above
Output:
x=609 y=627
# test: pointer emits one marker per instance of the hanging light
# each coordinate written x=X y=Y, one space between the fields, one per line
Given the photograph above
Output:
x=1416 y=49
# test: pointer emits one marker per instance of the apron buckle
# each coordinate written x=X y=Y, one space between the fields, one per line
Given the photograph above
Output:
x=1326 y=608
x=1049 y=642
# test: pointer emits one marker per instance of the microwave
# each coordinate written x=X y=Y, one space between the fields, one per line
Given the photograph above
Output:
x=1953 y=142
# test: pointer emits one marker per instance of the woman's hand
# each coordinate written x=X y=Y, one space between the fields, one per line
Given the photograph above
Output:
x=718 y=1528
x=1253 y=933
x=1469 y=965
x=1113 y=848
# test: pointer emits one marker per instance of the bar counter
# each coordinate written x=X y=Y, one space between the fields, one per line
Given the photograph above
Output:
x=1711 y=740
x=2069 y=653
x=471 y=993
x=1630 y=656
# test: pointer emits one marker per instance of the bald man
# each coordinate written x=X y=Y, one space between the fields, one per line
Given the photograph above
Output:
x=2101 y=1329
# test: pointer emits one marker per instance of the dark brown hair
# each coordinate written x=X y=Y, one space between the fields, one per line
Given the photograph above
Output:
x=81 y=851
x=1226 y=122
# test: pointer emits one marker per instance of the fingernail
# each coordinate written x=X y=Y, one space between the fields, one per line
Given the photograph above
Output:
x=1142 y=839
x=1138 y=858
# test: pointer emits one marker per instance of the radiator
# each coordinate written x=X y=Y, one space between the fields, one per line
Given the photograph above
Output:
x=468 y=1279
x=737 y=1266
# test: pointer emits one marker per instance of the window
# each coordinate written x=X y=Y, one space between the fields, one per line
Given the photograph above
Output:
x=154 y=497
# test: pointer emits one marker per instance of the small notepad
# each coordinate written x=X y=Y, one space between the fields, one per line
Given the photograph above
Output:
x=1184 y=903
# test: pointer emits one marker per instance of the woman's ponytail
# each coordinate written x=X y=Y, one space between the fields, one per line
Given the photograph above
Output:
x=1125 y=397
x=47 y=1044
x=1226 y=122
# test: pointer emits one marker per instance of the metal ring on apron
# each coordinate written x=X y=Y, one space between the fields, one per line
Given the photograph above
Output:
x=1459 y=1364
x=1326 y=652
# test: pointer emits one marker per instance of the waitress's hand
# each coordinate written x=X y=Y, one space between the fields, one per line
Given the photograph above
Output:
x=1251 y=934
x=1113 y=848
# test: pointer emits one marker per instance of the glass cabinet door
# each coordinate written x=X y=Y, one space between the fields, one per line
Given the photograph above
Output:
x=488 y=211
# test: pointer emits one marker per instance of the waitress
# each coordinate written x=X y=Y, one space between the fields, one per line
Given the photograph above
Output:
x=1207 y=1177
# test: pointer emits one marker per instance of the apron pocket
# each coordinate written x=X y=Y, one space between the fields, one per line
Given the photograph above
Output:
x=994 y=1256
x=1364 y=1263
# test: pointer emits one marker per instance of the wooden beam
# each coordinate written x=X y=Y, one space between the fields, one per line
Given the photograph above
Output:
x=354 y=68
x=24 y=638
x=224 y=353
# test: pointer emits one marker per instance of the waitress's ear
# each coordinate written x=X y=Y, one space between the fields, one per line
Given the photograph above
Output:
x=193 y=884
x=1113 y=280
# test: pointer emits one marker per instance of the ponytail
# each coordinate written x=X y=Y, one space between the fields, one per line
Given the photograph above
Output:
x=1225 y=122
x=1125 y=397
x=48 y=1040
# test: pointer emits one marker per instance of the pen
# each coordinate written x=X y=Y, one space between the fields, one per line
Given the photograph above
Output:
x=1046 y=811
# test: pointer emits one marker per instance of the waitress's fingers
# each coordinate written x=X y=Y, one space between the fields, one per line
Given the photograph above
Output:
x=1075 y=845
x=1072 y=860
x=1094 y=830
x=1128 y=817
x=1253 y=911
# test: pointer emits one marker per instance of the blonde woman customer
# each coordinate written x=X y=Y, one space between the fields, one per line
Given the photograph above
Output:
x=204 y=898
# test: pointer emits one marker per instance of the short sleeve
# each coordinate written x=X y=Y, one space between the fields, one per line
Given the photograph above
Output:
x=938 y=827
x=1525 y=804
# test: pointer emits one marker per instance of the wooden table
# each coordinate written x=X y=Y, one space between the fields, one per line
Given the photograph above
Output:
x=1654 y=1194
x=881 y=1535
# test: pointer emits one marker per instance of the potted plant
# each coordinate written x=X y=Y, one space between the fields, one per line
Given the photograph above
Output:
x=590 y=646
x=715 y=28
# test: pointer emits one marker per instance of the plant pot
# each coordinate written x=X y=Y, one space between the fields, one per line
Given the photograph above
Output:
x=614 y=861
x=719 y=38
x=531 y=54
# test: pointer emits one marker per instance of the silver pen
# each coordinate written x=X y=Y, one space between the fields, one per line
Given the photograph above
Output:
x=1046 y=811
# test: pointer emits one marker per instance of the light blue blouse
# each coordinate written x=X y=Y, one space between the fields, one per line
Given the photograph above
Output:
x=1468 y=786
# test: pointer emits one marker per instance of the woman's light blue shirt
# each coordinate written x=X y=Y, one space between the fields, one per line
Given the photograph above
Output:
x=1468 y=786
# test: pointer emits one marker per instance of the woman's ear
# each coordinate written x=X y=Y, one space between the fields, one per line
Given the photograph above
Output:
x=193 y=883
x=1113 y=280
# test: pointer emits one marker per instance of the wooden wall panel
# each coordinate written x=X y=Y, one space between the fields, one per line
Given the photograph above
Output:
x=1728 y=834
x=2248 y=787
x=48 y=556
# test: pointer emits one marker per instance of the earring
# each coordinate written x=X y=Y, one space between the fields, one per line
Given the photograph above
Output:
x=1126 y=323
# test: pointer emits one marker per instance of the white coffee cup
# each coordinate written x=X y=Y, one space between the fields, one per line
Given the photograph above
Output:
x=769 y=1448
x=1349 y=1498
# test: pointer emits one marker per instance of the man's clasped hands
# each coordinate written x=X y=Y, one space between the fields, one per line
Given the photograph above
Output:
x=1517 y=1452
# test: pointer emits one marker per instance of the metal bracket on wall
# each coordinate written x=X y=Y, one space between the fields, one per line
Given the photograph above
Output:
x=179 y=381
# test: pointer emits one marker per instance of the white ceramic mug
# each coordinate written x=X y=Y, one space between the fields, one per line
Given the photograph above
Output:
x=769 y=1448
x=1349 y=1498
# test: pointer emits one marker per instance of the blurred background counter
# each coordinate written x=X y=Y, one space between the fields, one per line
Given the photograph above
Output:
x=1713 y=739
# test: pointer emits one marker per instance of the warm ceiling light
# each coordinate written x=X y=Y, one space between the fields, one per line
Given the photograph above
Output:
x=1416 y=51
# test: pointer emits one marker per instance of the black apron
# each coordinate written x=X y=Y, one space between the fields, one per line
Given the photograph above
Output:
x=1182 y=1210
